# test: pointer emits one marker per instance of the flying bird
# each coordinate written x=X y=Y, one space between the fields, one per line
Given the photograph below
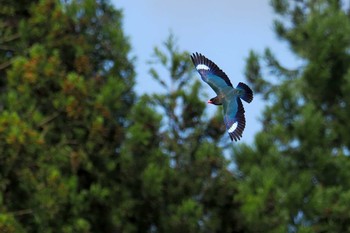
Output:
x=227 y=95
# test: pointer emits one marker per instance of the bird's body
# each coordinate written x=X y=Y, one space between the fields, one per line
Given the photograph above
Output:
x=227 y=95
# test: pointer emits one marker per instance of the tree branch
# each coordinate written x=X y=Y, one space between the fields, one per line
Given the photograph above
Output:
x=48 y=119
x=22 y=212
x=10 y=38
x=5 y=65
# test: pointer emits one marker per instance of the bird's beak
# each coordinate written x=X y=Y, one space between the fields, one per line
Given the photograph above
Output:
x=210 y=102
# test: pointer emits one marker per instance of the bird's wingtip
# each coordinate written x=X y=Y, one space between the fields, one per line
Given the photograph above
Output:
x=235 y=137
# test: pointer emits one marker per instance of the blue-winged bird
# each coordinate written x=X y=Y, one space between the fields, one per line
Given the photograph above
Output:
x=227 y=95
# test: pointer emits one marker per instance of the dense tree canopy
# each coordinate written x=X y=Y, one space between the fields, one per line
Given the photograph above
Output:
x=296 y=176
x=65 y=98
x=80 y=151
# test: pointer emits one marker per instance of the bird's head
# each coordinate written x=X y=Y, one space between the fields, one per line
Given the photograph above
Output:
x=216 y=101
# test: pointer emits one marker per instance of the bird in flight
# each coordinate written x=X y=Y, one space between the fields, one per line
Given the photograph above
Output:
x=227 y=95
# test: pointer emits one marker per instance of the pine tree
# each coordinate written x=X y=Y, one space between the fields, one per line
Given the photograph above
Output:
x=296 y=176
x=199 y=185
x=63 y=116
x=174 y=175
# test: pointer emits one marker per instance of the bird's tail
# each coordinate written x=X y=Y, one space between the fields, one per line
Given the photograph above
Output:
x=246 y=92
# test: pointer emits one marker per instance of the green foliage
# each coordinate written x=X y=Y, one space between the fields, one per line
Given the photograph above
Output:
x=12 y=13
x=171 y=171
x=9 y=224
x=63 y=116
x=295 y=177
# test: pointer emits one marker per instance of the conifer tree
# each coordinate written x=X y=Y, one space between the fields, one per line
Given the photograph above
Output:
x=63 y=115
x=296 y=176
x=175 y=176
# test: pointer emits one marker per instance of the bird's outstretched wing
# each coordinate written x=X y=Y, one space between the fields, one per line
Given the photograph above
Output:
x=234 y=118
x=211 y=73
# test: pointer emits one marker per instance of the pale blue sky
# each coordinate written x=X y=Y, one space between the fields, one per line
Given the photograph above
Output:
x=223 y=30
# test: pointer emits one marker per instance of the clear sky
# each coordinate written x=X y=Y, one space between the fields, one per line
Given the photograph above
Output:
x=223 y=30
